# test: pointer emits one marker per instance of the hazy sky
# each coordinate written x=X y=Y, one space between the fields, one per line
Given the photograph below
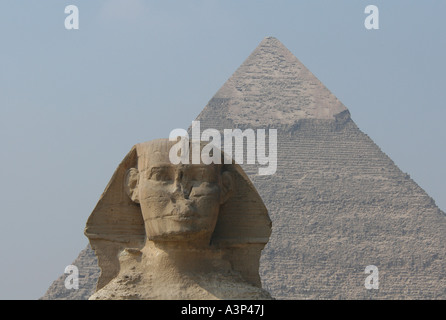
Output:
x=73 y=102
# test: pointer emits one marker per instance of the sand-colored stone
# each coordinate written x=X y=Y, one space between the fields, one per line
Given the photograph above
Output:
x=185 y=231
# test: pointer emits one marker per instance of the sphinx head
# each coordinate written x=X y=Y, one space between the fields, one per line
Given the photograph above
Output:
x=179 y=202
x=149 y=198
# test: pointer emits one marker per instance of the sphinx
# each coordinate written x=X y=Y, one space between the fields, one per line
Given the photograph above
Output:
x=178 y=231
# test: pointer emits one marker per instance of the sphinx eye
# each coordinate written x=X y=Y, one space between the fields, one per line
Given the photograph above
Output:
x=201 y=174
x=160 y=174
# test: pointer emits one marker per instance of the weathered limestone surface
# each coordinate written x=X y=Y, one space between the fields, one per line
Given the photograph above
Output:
x=337 y=202
x=178 y=231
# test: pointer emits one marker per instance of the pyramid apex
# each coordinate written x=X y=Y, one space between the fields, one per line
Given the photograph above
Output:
x=273 y=87
x=271 y=41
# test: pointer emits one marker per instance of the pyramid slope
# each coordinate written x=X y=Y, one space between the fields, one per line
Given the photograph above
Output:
x=89 y=272
x=337 y=202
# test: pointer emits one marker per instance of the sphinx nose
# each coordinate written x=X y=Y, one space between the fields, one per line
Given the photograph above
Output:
x=181 y=189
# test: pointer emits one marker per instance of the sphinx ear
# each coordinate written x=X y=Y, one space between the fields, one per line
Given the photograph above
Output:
x=131 y=184
x=227 y=183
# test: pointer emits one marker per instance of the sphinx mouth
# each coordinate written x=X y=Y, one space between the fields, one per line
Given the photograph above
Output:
x=184 y=218
x=182 y=215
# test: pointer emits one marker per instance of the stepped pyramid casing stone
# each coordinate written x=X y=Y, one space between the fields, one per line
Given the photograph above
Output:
x=89 y=271
x=337 y=202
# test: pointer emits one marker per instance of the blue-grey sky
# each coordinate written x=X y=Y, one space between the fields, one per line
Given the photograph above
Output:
x=73 y=102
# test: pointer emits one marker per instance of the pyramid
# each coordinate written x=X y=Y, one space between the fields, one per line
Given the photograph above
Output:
x=337 y=203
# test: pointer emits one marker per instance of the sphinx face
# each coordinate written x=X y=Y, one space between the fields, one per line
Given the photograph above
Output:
x=179 y=202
